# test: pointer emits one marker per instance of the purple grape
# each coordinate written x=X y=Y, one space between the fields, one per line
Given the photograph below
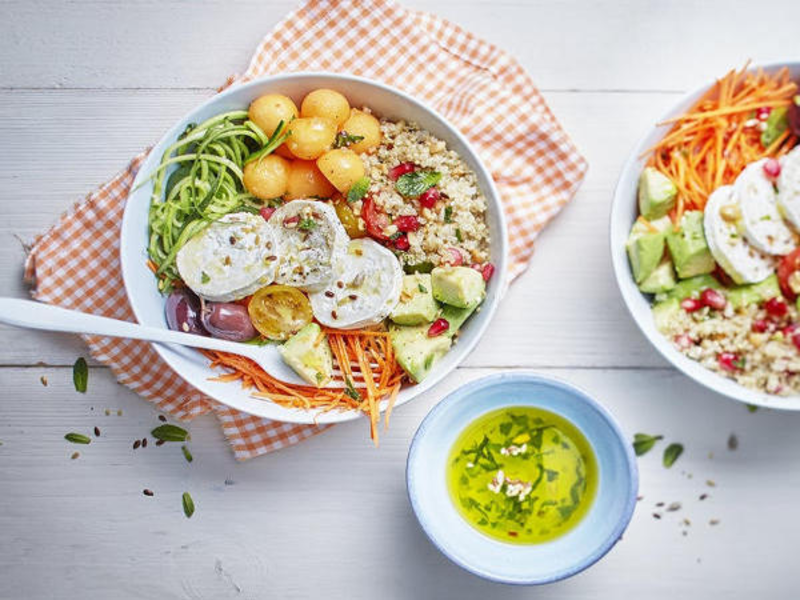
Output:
x=228 y=321
x=183 y=312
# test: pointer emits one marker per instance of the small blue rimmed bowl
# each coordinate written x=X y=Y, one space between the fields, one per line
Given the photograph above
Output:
x=529 y=564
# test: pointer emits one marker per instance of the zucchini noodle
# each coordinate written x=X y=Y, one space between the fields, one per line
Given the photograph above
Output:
x=205 y=183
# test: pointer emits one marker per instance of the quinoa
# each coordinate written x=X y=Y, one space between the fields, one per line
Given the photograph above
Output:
x=767 y=362
x=457 y=221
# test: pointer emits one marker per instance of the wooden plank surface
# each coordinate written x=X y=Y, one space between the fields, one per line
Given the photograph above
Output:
x=87 y=84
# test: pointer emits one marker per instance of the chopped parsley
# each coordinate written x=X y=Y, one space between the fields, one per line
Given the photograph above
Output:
x=422 y=288
x=204 y=278
x=448 y=214
x=344 y=139
x=350 y=389
x=307 y=224
x=358 y=190
x=459 y=237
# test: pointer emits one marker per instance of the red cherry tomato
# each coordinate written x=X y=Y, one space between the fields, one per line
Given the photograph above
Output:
x=788 y=266
x=375 y=220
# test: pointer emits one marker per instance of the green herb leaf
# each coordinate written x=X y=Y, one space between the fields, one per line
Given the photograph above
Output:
x=186 y=454
x=459 y=237
x=170 y=433
x=671 y=454
x=751 y=408
x=78 y=438
x=448 y=214
x=415 y=183
x=422 y=288
x=204 y=278
x=643 y=443
x=344 y=139
x=80 y=375
x=188 y=505
x=425 y=266
x=307 y=224
x=350 y=389
x=358 y=190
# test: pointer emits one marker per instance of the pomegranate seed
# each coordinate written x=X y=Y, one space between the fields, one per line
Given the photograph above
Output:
x=772 y=168
x=729 y=362
x=456 y=259
x=289 y=221
x=762 y=114
x=476 y=266
x=266 y=212
x=488 y=271
x=397 y=172
x=438 y=327
x=760 y=326
x=401 y=243
x=429 y=197
x=684 y=341
x=713 y=299
x=796 y=340
x=776 y=308
x=408 y=223
x=789 y=329
x=691 y=305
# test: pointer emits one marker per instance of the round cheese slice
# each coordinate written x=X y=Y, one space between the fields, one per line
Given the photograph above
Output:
x=230 y=259
x=763 y=225
x=364 y=291
x=737 y=257
x=789 y=187
x=311 y=240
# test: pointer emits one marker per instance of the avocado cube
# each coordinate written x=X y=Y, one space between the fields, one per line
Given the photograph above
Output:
x=688 y=247
x=456 y=317
x=415 y=351
x=645 y=247
x=661 y=280
x=416 y=305
x=657 y=194
x=754 y=293
x=458 y=286
x=691 y=288
x=664 y=312
x=309 y=354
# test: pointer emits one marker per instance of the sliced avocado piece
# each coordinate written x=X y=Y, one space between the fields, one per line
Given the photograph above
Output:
x=456 y=317
x=692 y=287
x=754 y=293
x=656 y=194
x=688 y=247
x=661 y=280
x=645 y=247
x=458 y=286
x=416 y=305
x=415 y=351
x=663 y=313
x=309 y=354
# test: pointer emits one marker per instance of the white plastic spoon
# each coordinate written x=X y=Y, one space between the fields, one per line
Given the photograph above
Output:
x=36 y=315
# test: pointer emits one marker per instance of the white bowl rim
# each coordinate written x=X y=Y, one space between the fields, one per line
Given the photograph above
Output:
x=463 y=348
x=459 y=394
x=620 y=204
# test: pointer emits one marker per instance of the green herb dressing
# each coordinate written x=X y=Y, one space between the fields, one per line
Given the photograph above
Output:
x=522 y=475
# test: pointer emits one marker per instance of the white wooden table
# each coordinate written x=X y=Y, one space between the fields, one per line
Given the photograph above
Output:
x=84 y=85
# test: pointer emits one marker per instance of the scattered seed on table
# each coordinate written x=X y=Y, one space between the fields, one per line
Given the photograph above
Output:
x=703 y=496
x=43 y=379
x=159 y=442
x=659 y=504
x=147 y=492
x=674 y=506
x=684 y=533
x=96 y=432
x=656 y=516
x=108 y=412
x=733 y=442
x=162 y=418
x=144 y=442
x=711 y=483
x=75 y=455
x=687 y=522
x=639 y=498
x=119 y=412
x=714 y=522
x=710 y=455
x=136 y=444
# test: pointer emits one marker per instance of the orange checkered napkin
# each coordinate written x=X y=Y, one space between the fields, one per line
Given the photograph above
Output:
x=476 y=86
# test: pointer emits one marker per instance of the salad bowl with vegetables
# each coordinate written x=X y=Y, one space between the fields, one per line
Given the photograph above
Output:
x=337 y=224
x=705 y=235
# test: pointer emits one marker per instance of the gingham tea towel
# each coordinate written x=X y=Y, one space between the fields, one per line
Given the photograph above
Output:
x=475 y=85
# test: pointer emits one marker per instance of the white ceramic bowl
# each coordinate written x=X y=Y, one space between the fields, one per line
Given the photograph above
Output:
x=623 y=213
x=528 y=564
x=148 y=303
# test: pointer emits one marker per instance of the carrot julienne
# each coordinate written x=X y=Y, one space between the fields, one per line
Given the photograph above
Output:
x=364 y=369
x=710 y=144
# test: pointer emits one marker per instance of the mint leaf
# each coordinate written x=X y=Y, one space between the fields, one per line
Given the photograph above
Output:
x=358 y=190
x=448 y=214
x=204 y=278
x=170 y=433
x=344 y=139
x=643 y=443
x=307 y=224
x=415 y=183
x=671 y=454
x=80 y=375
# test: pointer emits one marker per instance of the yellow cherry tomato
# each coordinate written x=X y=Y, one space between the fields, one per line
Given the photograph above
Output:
x=349 y=219
x=279 y=311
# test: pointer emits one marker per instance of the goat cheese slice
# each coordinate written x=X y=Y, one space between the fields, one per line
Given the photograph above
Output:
x=789 y=187
x=763 y=225
x=365 y=289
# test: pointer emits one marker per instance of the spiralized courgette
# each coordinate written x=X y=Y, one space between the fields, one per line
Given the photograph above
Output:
x=206 y=185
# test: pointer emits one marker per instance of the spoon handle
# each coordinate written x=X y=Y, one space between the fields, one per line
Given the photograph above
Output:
x=36 y=315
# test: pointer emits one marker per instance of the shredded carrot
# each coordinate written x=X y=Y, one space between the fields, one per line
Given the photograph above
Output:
x=366 y=374
x=709 y=145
